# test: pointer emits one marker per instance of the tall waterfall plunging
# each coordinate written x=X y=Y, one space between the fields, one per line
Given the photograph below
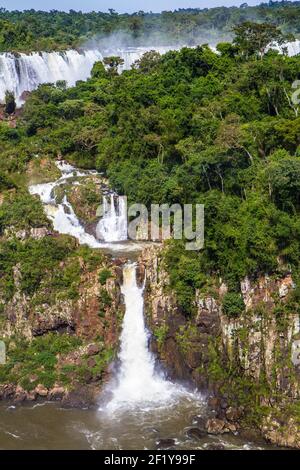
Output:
x=25 y=72
x=139 y=384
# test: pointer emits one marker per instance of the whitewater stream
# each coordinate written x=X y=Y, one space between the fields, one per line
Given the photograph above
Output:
x=140 y=408
x=111 y=230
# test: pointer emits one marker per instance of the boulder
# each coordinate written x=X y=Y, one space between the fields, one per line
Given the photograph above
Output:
x=7 y=391
x=216 y=426
x=195 y=433
x=233 y=414
x=41 y=390
x=165 y=443
x=93 y=350
x=20 y=395
x=223 y=404
x=81 y=397
x=31 y=396
x=200 y=422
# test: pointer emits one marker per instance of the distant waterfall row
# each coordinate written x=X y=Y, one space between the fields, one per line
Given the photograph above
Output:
x=294 y=48
x=21 y=73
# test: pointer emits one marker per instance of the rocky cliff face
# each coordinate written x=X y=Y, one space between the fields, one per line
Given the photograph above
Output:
x=251 y=361
x=61 y=307
x=81 y=316
x=60 y=341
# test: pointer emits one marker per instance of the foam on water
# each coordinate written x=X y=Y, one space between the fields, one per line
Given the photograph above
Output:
x=138 y=383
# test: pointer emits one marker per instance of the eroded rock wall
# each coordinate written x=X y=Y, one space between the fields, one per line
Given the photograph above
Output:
x=74 y=334
x=250 y=360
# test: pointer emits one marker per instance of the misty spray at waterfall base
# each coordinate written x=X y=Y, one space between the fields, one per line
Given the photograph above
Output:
x=138 y=384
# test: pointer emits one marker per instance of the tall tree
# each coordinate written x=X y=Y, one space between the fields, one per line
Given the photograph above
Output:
x=255 y=38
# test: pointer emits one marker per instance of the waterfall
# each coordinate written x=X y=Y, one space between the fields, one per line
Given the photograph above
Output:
x=111 y=228
x=25 y=72
x=138 y=382
x=113 y=225
x=293 y=48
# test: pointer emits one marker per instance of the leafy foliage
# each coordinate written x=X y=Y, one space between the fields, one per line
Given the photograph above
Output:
x=104 y=275
x=10 y=103
x=233 y=304
x=40 y=30
x=190 y=126
x=254 y=38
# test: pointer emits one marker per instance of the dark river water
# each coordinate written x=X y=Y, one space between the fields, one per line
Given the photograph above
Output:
x=48 y=426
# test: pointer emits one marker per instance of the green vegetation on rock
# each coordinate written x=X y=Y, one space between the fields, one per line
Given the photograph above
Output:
x=30 y=364
x=188 y=127
x=233 y=304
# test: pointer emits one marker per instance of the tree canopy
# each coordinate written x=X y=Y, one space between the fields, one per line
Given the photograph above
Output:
x=38 y=30
x=192 y=126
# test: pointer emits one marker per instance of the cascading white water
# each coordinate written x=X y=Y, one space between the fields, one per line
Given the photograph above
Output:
x=111 y=228
x=293 y=48
x=25 y=72
x=138 y=382
x=113 y=225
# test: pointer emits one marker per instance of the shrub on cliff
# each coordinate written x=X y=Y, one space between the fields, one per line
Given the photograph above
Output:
x=104 y=275
x=22 y=211
x=10 y=103
x=233 y=304
x=5 y=182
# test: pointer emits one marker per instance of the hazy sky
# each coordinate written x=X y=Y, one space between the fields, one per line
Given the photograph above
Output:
x=119 y=5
